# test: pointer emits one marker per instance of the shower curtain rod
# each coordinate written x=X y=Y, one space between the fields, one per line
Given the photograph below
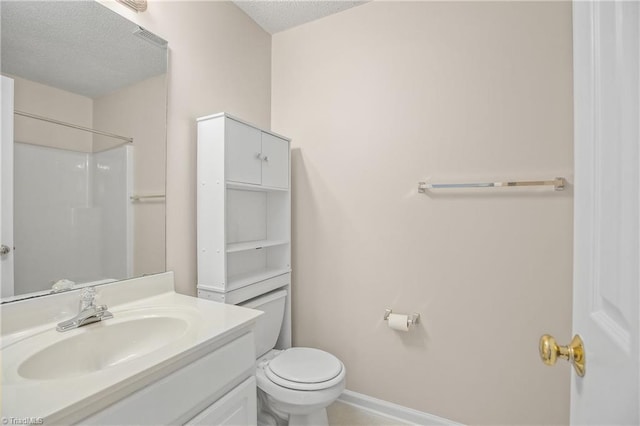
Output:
x=73 y=126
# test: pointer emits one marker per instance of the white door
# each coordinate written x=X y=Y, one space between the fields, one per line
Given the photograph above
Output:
x=6 y=187
x=607 y=187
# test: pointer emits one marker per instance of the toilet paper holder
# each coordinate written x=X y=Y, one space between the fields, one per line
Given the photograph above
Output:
x=412 y=319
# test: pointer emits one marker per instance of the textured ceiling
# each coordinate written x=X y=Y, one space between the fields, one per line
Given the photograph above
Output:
x=279 y=15
x=78 y=46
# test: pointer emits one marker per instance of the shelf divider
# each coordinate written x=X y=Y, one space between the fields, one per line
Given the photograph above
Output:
x=254 y=187
x=242 y=280
x=253 y=245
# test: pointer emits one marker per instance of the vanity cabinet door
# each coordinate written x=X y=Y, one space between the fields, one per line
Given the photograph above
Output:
x=243 y=156
x=275 y=161
x=238 y=407
x=175 y=398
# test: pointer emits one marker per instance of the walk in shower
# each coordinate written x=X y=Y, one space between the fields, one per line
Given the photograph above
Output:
x=72 y=215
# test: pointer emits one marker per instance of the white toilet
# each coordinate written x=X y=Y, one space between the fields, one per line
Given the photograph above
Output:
x=295 y=385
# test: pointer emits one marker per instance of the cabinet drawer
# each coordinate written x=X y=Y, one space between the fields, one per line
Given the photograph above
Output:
x=177 y=397
x=238 y=407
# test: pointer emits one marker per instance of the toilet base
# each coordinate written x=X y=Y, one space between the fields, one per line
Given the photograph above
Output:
x=317 y=418
x=269 y=415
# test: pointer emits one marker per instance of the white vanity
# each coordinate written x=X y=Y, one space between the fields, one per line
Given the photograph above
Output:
x=163 y=358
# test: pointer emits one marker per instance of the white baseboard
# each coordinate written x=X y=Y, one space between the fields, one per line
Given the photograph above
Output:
x=393 y=411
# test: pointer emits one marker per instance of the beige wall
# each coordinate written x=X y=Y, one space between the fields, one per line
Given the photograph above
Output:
x=389 y=93
x=139 y=111
x=219 y=60
x=50 y=102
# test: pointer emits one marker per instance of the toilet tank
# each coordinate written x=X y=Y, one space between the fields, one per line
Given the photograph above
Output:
x=268 y=325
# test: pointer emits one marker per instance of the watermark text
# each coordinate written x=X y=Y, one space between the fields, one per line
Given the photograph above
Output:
x=22 y=420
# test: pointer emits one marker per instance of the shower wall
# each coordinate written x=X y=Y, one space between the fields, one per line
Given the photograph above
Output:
x=70 y=215
x=110 y=184
x=51 y=217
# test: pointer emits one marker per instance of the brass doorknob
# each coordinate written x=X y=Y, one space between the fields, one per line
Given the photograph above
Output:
x=550 y=351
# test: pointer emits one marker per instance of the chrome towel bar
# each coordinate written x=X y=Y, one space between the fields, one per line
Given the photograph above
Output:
x=557 y=183
x=146 y=197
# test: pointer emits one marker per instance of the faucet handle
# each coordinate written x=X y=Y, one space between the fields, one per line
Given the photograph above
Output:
x=88 y=294
x=87 y=298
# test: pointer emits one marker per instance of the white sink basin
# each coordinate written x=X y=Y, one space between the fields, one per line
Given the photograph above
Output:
x=104 y=345
x=64 y=378
x=130 y=335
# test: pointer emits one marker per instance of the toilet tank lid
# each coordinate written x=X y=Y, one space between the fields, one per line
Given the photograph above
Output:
x=256 y=302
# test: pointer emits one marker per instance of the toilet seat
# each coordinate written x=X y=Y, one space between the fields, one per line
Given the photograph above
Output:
x=305 y=369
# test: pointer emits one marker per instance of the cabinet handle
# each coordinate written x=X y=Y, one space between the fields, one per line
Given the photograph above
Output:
x=265 y=158
x=259 y=155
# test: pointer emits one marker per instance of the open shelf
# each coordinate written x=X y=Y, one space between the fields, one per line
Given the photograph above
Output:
x=241 y=280
x=253 y=187
x=252 y=245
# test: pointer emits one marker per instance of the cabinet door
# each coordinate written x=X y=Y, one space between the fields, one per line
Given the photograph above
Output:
x=243 y=158
x=275 y=165
x=238 y=407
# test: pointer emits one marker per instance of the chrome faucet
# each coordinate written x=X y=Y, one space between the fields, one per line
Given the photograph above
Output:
x=89 y=311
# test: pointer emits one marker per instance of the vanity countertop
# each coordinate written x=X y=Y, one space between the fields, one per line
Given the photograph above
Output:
x=86 y=369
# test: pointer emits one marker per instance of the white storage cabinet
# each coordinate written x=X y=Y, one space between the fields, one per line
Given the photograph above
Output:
x=243 y=212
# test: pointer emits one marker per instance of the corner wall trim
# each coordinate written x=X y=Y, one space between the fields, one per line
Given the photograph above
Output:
x=393 y=411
